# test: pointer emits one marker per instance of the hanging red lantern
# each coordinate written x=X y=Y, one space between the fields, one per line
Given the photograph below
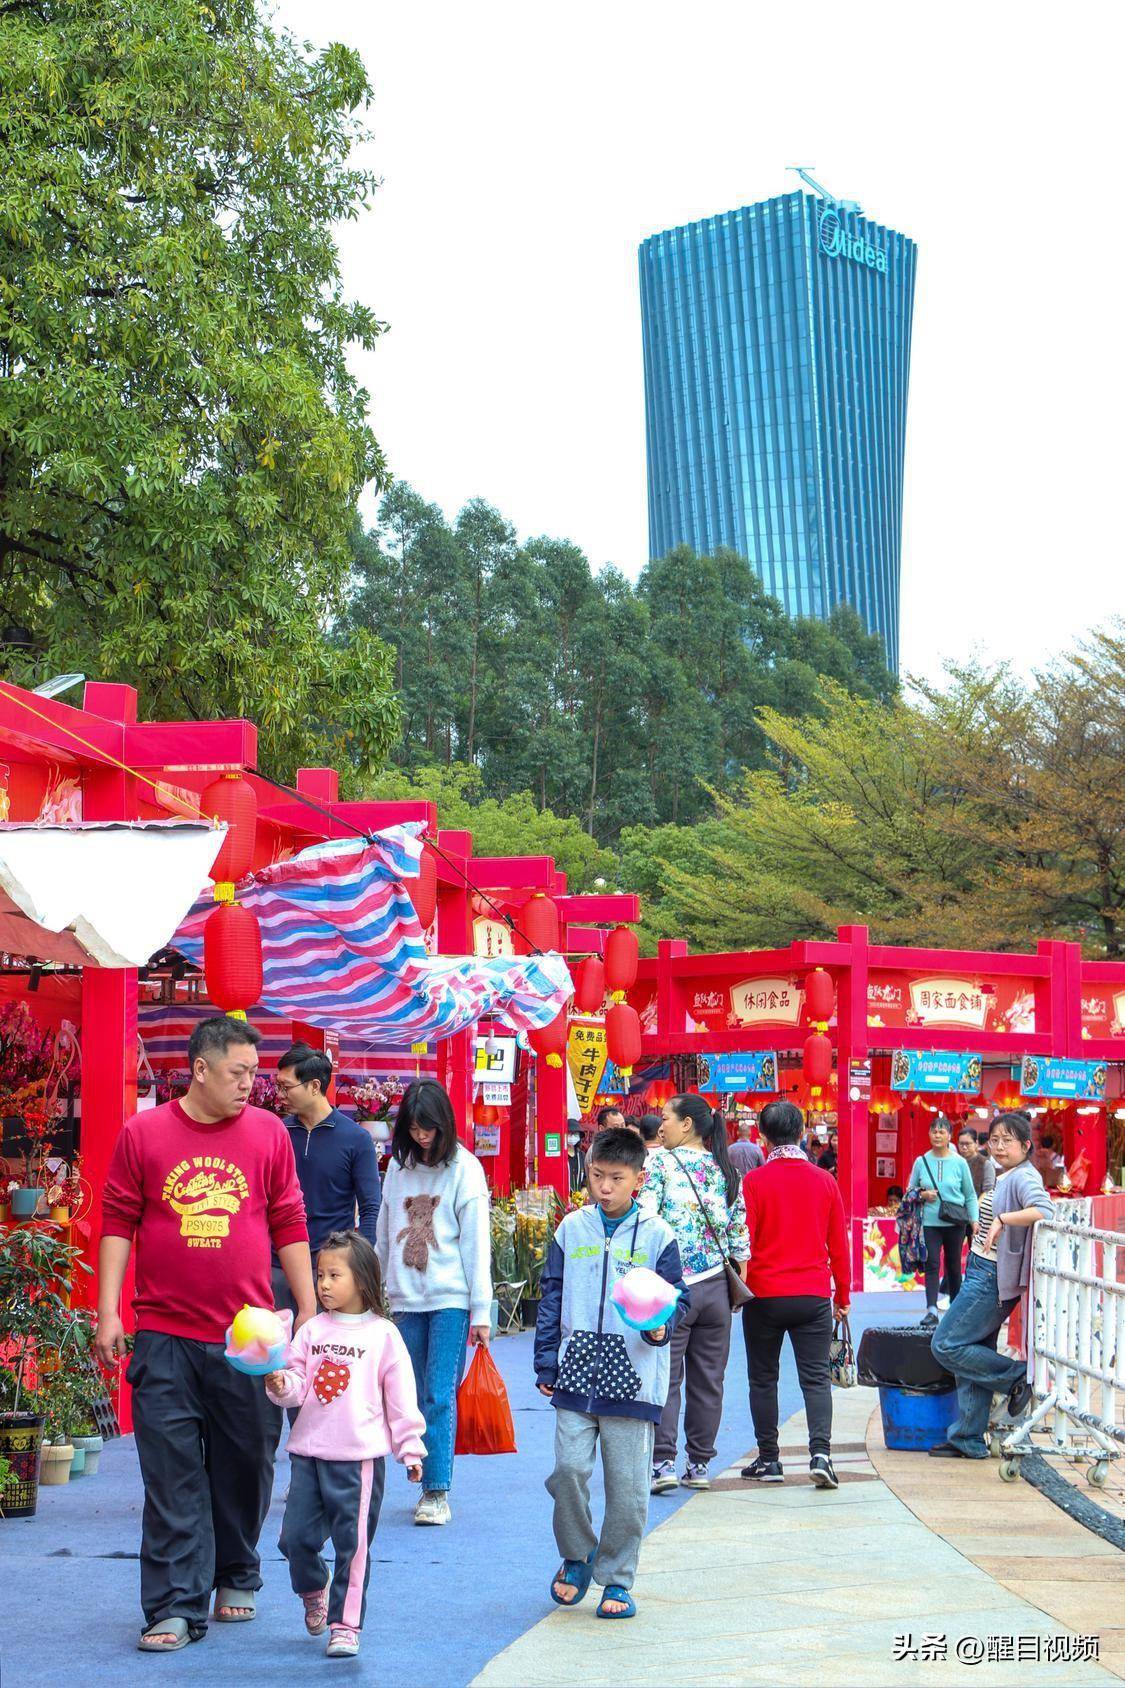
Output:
x=1007 y=1094
x=820 y=997
x=883 y=1100
x=232 y=800
x=623 y=1035
x=538 y=920
x=550 y=1040
x=232 y=957
x=622 y=954
x=423 y=890
x=816 y=1059
x=589 y=984
x=661 y=1090
x=485 y=1114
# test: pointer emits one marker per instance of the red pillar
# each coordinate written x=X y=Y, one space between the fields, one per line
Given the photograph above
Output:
x=852 y=1044
x=109 y=1008
x=550 y=1126
x=454 y=936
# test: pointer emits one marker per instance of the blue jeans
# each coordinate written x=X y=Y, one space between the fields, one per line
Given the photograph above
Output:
x=436 y=1345
x=965 y=1343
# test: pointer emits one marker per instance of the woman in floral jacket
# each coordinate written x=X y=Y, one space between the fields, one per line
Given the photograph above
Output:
x=693 y=1186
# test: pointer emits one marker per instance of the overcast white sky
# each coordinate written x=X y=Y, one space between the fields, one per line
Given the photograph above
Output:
x=526 y=149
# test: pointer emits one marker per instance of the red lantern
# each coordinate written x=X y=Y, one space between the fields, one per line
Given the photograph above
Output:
x=538 y=920
x=816 y=1059
x=232 y=957
x=820 y=997
x=589 y=984
x=550 y=1040
x=622 y=953
x=661 y=1090
x=623 y=1035
x=1007 y=1094
x=883 y=1100
x=233 y=800
x=484 y=1114
x=423 y=890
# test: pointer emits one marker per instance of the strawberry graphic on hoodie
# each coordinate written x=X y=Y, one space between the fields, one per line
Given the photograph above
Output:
x=330 y=1381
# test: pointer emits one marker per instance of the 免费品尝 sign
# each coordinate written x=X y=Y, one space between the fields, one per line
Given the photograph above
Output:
x=936 y=1069
x=1051 y=1075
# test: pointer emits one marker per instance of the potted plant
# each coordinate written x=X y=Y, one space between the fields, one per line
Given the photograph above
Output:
x=89 y=1443
x=42 y=1339
x=56 y=1397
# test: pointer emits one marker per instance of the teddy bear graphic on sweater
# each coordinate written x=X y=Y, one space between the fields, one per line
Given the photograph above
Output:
x=419 y=1233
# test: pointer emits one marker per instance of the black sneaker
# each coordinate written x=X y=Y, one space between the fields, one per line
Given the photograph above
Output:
x=930 y=1318
x=1019 y=1398
x=764 y=1471
x=821 y=1472
x=945 y=1450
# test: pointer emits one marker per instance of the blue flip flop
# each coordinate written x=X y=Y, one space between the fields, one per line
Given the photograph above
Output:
x=576 y=1573
x=613 y=1592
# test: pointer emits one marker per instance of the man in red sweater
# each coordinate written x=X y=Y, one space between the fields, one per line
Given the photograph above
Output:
x=795 y=1215
x=204 y=1186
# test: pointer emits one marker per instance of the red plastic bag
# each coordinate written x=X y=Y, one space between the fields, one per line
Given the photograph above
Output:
x=484 y=1418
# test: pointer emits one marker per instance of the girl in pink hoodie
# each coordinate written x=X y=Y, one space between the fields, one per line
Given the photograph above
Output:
x=350 y=1373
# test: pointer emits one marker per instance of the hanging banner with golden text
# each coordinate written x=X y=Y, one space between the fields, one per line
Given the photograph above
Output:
x=586 y=1057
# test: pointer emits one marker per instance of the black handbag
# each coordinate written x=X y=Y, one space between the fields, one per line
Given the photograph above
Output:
x=952 y=1212
x=737 y=1292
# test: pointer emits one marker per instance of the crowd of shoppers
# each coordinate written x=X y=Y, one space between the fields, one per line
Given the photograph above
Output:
x=760 y=1228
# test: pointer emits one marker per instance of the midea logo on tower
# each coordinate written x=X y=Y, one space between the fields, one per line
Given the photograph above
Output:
x=836 y=242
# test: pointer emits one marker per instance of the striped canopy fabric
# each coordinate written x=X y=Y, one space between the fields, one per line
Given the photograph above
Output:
x=342 y=948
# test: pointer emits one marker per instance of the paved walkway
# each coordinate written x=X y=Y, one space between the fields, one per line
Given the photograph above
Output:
x=773 y=1586
x=789 y=1585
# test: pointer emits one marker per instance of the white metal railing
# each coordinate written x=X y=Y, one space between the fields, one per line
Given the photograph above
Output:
x=1076 y=1343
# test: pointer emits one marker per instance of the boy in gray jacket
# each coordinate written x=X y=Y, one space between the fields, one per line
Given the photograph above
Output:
x=606 y=1381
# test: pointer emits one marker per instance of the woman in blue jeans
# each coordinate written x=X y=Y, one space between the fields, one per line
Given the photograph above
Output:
x=433 y=1244
x=998 y=1271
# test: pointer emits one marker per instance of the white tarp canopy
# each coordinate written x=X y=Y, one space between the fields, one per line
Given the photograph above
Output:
x=103 y=895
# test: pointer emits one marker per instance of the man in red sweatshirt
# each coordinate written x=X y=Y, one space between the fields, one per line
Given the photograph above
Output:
x=795 y=1216
x=204 y=1186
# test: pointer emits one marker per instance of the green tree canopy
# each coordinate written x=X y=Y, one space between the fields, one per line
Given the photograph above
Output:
x=181 y=442
x=984 y=814
x=617 y=702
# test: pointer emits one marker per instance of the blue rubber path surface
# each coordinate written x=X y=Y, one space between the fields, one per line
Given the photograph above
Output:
x=443 y=1602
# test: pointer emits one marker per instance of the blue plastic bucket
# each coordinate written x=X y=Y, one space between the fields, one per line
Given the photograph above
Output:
x=912 y=1422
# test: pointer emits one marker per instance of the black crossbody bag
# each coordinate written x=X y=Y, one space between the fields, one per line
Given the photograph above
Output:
x=954 y=1213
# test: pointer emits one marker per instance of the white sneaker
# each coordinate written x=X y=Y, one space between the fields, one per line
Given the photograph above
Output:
x=943 y=1303
x=433 y=1508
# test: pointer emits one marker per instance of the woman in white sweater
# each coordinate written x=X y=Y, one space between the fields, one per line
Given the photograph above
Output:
x=433 y=1243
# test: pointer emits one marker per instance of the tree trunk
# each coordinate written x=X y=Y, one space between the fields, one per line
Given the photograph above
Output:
x=473 y=670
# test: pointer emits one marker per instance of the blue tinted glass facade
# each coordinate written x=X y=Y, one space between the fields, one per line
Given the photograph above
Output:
x=777 y=359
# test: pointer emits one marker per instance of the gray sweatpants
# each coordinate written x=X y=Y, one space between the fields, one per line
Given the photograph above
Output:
x=698 y=1352
x=627 y=1471
x=337 y=1498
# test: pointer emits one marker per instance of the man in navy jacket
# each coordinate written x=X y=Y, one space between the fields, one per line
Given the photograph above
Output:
x=337 y=1164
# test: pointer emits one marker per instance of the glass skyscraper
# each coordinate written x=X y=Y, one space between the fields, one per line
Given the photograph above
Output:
x=777 y=359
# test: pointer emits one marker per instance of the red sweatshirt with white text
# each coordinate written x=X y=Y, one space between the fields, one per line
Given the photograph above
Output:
x=202 y=1205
